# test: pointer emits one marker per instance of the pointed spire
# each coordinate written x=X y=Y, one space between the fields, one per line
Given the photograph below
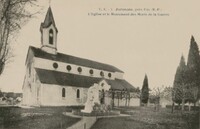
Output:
x=49 y=33
x=48 y=20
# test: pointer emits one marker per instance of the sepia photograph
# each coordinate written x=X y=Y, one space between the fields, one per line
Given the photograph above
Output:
x=109 y=64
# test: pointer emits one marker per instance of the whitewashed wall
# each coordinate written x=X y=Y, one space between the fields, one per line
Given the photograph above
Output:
x=52 y=95
x=164 y=102
x=31 y=93
x=119 y=75
x=133 y=102
x=48 y=64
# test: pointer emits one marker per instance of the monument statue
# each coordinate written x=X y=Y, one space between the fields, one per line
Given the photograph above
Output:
x=93 y=95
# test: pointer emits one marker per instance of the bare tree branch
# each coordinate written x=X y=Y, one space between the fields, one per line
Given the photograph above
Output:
x=13 y=15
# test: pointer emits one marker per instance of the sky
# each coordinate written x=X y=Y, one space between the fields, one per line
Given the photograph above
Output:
x=137 y=45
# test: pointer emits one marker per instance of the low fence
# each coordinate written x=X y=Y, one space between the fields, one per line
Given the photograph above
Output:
x=186 y=107
x=96 y=113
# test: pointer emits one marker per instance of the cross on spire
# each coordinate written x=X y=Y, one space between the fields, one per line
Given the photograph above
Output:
x=49 y=2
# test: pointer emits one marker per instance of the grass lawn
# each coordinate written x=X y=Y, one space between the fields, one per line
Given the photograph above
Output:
x=34 y=118
x=147 y=118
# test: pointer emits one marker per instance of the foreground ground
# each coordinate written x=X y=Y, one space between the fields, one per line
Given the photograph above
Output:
x=147 y=118
x=140 y=118
x=37 y=118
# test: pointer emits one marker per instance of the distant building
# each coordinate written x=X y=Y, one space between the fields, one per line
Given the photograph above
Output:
x=166 y=97
x=123 y=101
x=12 y=95
x=57 y=79
x=163 y=98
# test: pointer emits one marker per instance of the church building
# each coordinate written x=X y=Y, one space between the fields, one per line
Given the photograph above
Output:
x=57 y=79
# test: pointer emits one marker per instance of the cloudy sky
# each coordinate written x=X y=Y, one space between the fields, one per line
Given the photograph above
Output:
x=135 y=44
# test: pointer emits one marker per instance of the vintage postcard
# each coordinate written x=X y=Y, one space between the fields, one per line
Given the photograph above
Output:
x=108 y=64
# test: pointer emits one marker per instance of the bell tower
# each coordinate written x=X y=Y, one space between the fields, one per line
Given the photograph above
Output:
x=49 y=33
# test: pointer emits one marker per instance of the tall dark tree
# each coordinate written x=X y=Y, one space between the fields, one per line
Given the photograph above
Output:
x=179 y=82
x=193 y=65
x=145 y=91
x=187 y=78
x=1 y=94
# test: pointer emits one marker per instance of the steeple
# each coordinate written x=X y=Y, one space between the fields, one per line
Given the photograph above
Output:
x=48 y=20
x=49 y=32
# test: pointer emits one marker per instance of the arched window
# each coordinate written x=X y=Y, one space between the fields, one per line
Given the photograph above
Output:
x=50 y=36
x=63 y=92
x=77 y=93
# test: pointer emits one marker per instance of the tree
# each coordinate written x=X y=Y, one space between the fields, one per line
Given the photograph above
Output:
x=1 y=94
x=145 y=91
x=187 y=78
x=181 y=85
x=179 y=82
x=193 y=65
x=156 y=95
x=13 y=15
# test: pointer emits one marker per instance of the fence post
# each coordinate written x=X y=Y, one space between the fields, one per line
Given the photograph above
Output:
x=84 y=125
x=61 y=124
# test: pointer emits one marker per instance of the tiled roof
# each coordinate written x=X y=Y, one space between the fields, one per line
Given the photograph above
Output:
x=73 y=60
x=68 y=79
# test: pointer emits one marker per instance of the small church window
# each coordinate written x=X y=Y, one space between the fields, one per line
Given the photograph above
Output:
x=63 y=92
x=55 y=65
x=50 y=36
x=77 y=93
x=79 y=69
x=69 y=67
x=101 y=73
x=91 y=71
x=109 y=74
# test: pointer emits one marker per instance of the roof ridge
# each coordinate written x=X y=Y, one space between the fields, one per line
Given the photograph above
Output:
x=115 y=69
